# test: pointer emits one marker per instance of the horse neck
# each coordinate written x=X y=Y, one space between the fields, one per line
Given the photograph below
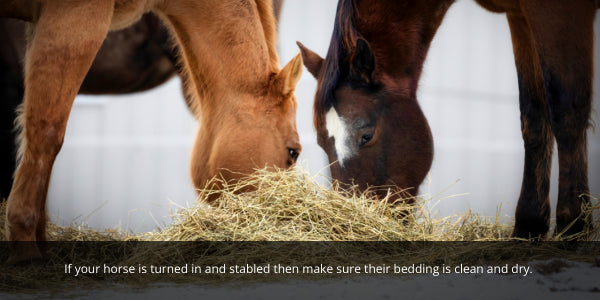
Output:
x=399 y=56
x=227 y=47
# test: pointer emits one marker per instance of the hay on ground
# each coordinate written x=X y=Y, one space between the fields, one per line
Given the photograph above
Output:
x=292 y=206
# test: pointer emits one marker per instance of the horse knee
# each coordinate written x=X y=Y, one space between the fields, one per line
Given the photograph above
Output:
x=569 y=107
x=40 y=137
x=536 y=133
x=52 y=138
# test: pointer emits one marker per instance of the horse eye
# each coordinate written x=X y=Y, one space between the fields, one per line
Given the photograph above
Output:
x=293 y=154
x=365 y=138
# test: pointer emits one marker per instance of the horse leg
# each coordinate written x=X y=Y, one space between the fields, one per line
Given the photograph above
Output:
x=11 y=95
x=563 y=37
x=62 y=47
x=532 y=217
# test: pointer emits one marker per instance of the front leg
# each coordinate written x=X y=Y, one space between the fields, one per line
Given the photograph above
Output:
x=62 y=46
x=532 y=217
x=563 y=37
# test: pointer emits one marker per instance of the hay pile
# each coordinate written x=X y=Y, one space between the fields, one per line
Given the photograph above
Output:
x=292 y=206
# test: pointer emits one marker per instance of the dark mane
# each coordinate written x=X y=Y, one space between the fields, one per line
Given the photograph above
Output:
x=342 y=43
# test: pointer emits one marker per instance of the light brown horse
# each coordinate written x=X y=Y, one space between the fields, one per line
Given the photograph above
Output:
x=370 y=124
x=133 y=59
x=245 y=102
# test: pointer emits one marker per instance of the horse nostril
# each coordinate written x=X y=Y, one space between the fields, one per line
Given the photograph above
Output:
x=293 y=154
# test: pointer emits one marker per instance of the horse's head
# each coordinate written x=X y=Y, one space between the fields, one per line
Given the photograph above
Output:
x=258 y=131
x=373 y=132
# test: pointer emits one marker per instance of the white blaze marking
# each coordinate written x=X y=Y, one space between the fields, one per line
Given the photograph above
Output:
x=337 y=128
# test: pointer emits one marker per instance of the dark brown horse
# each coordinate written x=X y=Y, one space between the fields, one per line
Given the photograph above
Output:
x=370 y=124
x=134 y=59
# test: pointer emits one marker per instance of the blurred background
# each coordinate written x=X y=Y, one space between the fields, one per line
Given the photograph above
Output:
x=125 y=160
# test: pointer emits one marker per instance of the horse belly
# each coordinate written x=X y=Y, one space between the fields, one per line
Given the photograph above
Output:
x=26 y=10
x=500 y=5
x=128 y=12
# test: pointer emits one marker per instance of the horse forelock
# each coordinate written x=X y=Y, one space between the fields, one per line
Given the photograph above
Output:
x=343 y=41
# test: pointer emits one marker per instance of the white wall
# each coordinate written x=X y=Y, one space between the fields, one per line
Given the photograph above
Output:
x=125 y=160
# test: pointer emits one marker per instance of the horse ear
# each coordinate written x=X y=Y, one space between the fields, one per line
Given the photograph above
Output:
x=363 y=62
x=312 y=61
x=288 y=77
